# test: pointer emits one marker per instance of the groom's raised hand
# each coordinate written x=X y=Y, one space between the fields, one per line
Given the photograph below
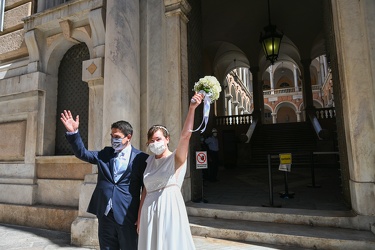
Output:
x=70 y=124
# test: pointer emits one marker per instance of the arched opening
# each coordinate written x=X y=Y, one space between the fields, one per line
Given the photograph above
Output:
x=286 y=114
x=72 y=94
x=280 y=88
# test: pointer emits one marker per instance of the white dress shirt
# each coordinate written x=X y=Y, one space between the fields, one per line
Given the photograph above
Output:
x=123 y=160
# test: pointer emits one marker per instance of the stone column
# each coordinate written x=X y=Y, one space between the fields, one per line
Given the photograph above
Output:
x=241 y=109
x=295 y=75
x=121 y=72
x=307 y=90
x=322 y=71
x=298 y=113
x=257 y=94
x=176 y=68
x=245 y=77
x=272 y=82
x=325 y=65
x=229 y=104
x=164 y=69
x=176 y=78
x=84 y=229
x=352 y=21
x=250 y=79
x=235 y=104
x=274 y=118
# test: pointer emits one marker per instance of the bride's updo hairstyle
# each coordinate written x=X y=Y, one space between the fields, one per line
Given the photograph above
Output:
x=155 y=128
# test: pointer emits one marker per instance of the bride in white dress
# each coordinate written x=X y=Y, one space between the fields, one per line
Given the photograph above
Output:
x=162 y=219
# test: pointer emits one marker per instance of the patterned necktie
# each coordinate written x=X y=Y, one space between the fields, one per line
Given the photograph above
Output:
x=116 y=168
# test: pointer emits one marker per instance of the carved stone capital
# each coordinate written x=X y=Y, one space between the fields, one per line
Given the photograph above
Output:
x=177 y=7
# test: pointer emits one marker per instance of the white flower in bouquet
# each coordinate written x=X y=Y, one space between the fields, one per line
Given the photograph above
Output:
x=210 y=85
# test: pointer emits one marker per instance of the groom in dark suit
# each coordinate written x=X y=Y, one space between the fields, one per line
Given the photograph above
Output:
x=116 y=197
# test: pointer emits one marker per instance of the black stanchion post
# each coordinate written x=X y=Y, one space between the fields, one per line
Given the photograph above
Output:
x=286 y=194
x=271 y=204
x=313 y=172
x=270 y=180
x=286 y=183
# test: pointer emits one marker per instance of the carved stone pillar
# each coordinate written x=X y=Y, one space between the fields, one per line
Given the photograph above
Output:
x=298 y=113
x=235 y=104
x=257 y=94
x=356 y=79
x=274 y=118
x=241 y=110
x=295 y=78
x=177 y=64
x=164 y=69
x=228 y=97
x=121 y=96
x=272 y=81
x=84 y=229
x=307 y=90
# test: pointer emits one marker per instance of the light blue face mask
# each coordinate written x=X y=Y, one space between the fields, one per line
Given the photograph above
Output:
x=117 y=143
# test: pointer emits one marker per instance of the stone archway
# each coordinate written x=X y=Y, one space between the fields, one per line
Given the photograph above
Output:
x=72 y=94
x=286 y=112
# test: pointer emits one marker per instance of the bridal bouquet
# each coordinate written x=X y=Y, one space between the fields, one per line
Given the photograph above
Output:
x=210 y=87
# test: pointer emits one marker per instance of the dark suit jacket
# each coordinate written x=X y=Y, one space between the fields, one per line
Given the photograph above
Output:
x=125 y=193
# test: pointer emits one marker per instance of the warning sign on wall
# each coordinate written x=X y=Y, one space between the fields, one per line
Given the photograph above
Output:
x=201 y=159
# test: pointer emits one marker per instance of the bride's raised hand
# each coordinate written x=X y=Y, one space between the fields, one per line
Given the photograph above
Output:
x=196 y=99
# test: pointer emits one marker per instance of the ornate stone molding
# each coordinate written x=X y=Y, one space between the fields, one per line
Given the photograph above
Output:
x=177 y=7
x=228 y=96
x=66 y=28
x=93 y=69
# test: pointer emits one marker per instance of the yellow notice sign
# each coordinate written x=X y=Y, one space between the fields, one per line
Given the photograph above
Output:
x=285 y=162
x=285 y=158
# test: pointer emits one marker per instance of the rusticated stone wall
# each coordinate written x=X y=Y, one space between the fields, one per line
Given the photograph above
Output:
x=12 y=43
x=14 y=132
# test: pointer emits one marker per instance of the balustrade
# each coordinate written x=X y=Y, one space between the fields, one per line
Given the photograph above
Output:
x=281 y=91
x=325 y=113
x=234 y=120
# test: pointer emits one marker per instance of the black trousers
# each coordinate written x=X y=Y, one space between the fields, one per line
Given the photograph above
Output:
x=113 y=236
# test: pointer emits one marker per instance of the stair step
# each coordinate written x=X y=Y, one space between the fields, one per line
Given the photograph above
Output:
x=310 y=229
x=207 y=243
x=283 y=234
x=342 y=219
x=57 y=218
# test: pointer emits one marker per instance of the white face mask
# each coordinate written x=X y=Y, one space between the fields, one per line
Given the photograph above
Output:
x=157 y=147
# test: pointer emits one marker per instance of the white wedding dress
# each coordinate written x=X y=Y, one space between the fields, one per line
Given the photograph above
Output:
x=164 y=223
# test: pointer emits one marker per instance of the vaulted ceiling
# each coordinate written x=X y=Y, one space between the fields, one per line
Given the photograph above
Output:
x=231 y=30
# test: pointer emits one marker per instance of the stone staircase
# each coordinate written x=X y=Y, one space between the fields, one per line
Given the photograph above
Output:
x=297 y=138
x=307 y=229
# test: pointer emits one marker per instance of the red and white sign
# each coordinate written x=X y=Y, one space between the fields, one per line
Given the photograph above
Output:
x=201 y=159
